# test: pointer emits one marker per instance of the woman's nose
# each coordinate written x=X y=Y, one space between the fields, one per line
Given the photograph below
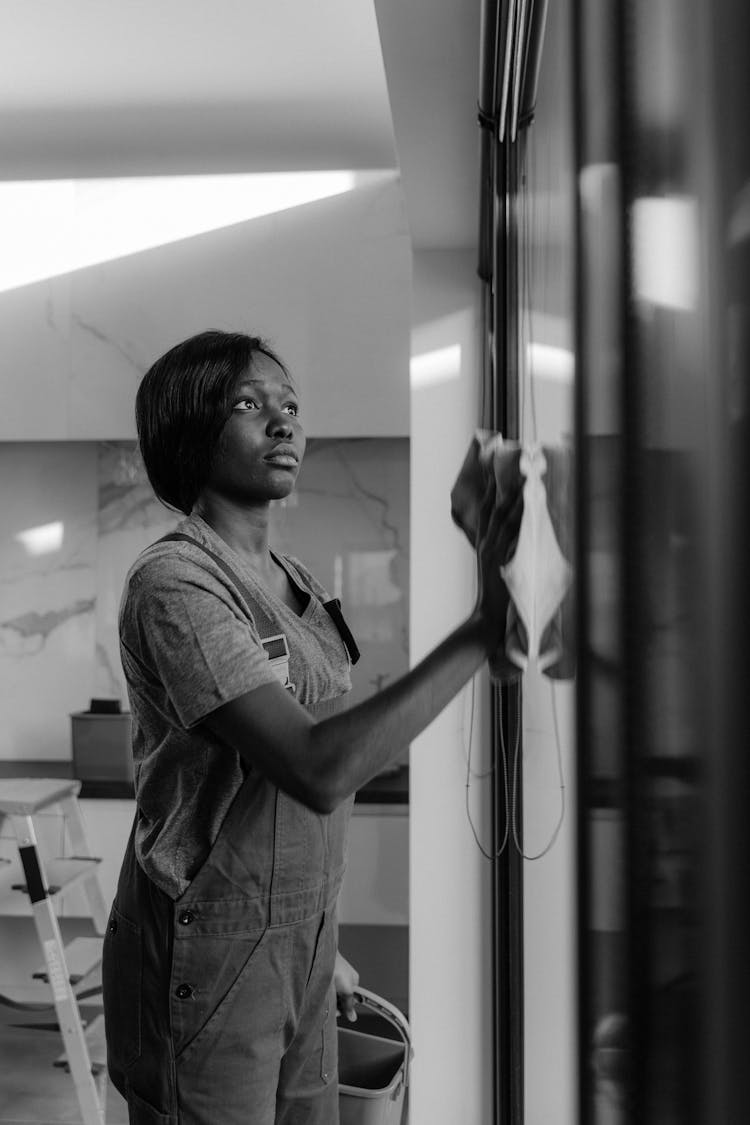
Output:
x=279 y=425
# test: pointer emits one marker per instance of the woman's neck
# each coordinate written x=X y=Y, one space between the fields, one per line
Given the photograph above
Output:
x=245 y=529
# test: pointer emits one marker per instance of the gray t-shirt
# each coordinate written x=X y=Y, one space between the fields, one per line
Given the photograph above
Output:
x=188 y=644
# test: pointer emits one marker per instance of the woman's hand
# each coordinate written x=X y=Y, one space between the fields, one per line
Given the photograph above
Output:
x=497 y=536
x=346 y=979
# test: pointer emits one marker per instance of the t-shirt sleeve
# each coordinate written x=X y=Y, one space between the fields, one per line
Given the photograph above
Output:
x=181 y=626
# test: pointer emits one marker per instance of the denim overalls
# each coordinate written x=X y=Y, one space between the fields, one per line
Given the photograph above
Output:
x=220 y=1005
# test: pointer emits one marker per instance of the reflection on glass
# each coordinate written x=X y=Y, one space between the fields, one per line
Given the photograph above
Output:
x=652 y=414
x=665 y=251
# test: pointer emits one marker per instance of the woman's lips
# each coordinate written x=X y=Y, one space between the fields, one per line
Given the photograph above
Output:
x=285 y=458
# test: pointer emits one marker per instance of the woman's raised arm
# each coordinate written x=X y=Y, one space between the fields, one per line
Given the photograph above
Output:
x=322 y=763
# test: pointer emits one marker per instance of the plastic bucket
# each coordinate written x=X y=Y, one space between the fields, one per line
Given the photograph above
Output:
x=373 y=1071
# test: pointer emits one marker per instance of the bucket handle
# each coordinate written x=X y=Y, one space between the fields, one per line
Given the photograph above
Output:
x=393 y=1015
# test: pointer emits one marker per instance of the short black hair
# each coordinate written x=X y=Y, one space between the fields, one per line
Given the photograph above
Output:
x=182 y=405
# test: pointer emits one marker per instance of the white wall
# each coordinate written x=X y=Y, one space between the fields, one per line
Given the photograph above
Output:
x=549 y=888
x=548 y=263
x=450 y=915
x=450 y=967
x=328 y=282
x=550 y=972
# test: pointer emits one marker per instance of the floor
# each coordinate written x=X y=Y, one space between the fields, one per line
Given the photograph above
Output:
x=35 y=1092
x=32 y=1088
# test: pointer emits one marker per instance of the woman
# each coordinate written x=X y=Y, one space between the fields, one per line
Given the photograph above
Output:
x=221 y=974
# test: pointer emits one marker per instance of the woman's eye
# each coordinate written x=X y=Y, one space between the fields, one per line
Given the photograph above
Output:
x=245 y=404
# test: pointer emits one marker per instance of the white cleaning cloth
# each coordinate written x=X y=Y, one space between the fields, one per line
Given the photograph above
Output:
x=538 y=576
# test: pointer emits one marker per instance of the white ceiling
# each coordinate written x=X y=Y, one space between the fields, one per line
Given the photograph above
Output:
x=140 y=87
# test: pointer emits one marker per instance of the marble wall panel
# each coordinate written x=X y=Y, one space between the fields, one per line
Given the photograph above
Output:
x=129 y=518
x=348 y=521
x=48 y=593
x=35 y=360
x=328 y=282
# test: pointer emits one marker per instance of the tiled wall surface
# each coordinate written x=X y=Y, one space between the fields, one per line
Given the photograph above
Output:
x=73 y=516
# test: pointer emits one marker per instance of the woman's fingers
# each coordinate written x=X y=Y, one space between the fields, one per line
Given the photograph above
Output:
x=499 y=527
x=502 y=528
x=346 y=979
x=486 y=508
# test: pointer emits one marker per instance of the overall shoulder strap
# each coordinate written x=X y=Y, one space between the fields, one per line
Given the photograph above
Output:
x=263 y=623
x=333 y=608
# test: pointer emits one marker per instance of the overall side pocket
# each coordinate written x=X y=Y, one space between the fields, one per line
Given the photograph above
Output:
x=208 y=973
x=122 y=971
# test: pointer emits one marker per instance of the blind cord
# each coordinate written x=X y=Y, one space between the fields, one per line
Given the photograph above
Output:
x=511 y=795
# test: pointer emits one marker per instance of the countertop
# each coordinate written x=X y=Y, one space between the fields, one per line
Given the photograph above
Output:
x=388 y=789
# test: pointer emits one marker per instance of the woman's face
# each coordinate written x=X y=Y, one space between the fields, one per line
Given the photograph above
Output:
x=262 y=444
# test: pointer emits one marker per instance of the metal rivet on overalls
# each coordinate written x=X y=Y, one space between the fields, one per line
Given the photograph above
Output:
x=184 y=991
x=186 y=918
x=113 y=926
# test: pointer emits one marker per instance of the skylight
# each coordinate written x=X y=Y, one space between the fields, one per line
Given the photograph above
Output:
x=50 y=227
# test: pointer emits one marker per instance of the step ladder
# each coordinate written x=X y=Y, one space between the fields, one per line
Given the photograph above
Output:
x=63 y=969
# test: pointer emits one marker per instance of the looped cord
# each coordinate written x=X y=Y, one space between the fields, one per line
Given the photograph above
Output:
x=511 y=820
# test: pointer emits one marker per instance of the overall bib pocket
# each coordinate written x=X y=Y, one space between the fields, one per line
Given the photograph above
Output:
x=122 y=971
